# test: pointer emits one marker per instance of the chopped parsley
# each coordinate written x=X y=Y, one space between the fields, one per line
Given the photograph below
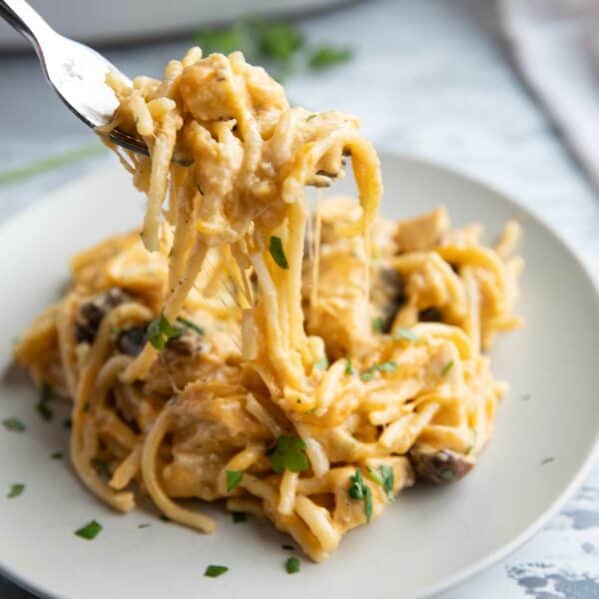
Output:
x=13 y=424
x=144 y=525
x=43 y=405
x=191 y=325
x=473 y=444
x=239 y=517
x=322 y=364
x=447 y=474
x=57 y=455
x=389 y=366
x=383 y=477
x=310 y=117
x=349 y=369
x=447 y=368
x=377 y=324
x=90 y=531
x=16 y=490
x=160 y=330
x=292 y=565
x=289 y=453
x=360 y=491
x=328 y=56
x=213 y=571
x=233 y=479
x=547 y=461
x=402 y=334
x=277 y=252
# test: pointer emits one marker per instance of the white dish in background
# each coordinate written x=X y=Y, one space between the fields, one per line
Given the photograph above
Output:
x=428 y=540
x=135 y=20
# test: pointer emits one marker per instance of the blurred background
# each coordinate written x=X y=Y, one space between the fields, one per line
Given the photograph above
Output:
x=504 y=90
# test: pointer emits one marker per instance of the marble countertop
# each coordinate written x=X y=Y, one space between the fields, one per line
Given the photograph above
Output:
x=430 y=78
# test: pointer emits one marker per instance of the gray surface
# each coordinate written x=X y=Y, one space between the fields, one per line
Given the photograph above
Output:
x=431 y=79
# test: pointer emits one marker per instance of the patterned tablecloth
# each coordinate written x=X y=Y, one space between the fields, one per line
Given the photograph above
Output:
x=430 y=78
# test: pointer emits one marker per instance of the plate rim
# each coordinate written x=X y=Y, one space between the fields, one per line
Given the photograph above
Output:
x=385 y=152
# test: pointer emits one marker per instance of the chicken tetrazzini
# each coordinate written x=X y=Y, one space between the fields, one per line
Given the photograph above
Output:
x=304 y=365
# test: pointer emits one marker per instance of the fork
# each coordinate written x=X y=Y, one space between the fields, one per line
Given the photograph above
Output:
x=75 y=71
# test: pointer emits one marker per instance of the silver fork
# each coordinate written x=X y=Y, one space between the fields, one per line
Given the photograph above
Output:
x=76 y=72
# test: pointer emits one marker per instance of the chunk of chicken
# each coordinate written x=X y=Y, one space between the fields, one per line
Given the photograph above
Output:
x=422 y=232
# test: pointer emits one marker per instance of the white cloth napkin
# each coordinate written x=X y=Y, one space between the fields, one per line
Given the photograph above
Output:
x=555 y=44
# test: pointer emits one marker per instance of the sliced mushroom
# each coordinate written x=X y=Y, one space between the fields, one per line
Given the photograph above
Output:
x=422 y=232
x=387 y=295
x=132 y=340
x=430 y=315
x=187 y=343
x=93 y=311
x=439 y=467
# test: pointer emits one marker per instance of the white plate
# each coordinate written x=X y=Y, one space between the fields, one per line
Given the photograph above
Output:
x=428 y=540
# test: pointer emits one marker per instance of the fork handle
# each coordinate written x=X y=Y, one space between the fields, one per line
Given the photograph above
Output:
x=24 y=19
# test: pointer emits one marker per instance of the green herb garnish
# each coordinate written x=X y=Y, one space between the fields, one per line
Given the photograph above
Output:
x=289 y=454
x=160 y=330
x=327 y=56
x=233 y=479
x=447 y=474
x=144 y=525
x=447 y=368
x=292 y=565
x=389 y=366
x=57 y=455
x=547 y=461
x=349 y=369
x=473 y=444
x=90 y=531
x=213 y=571
x=239 y=517
x=43 y=405
x=322 y=364
x=13 y=424
x=16 y=490
x=191 y=325
x=377 y=324
x=388 y=480
x=402 y=334
x=277 y=252
x=383 y=477
x=360 y=491
x=310 y=117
